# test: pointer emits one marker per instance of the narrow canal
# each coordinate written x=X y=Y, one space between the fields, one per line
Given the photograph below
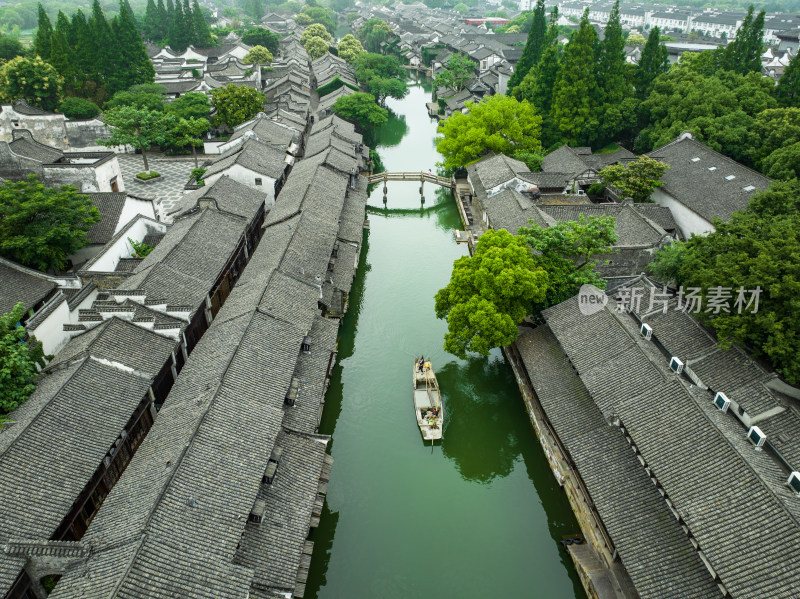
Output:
x=479 y=516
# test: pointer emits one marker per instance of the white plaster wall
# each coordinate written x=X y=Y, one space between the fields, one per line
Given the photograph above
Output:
x=51 y=331
x=688 y=221
x=132 y=209
x=107 y=171
x=247 y=177
x=121 y=248
x=213 y=147
x=47 y=129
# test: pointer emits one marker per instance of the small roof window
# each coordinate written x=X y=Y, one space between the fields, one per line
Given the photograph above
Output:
x=730 y=177
x=712 y=168
x=696 y=159
x=749 y=188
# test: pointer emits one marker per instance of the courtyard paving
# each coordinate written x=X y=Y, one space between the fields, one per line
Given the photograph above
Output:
x=168 y=189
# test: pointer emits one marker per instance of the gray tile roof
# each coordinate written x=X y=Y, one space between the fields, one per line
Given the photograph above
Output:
x=110 y=205
x=21 y=284
x=268 y=131
x=259 y=157
x=228 y=195
x=496 y=169
x=653 y=548
x=729 y=495
x=660 y=215
x=631 y=228
x=709 y=193
x=510 y=210
x=29 y=148
x=564 y=160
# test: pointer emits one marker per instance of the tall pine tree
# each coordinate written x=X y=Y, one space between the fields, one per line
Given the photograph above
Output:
x=787 y=92
x=136 y=65
x=178 y=36
x=107 y=64
x=44 y=34
x=574 y=96
x=163 y=22
x=618 y=111
x=743 y=54
x=150 y=22
x=62 y=55
x=200 y=30
x=533 y=47
x=653 y=62
x=83 y=46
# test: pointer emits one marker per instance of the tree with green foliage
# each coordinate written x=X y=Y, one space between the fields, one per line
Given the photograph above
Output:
x=189 y=132
x=41 y=226
x=201 y=34
x=743 y=54
x=41 y=43
x=457 y=72
x=777 y=129
x=106 y=62
x=10 y=47
x=489 y=294
x=653 y=62
x=62 y=56
x=576 y=91
x=636 y=179
x=235 y=104
x=537 y=86
x=258 y=55
x=79 y=108
x=568 y=251
x=18 y=360
x=787 y=92
x=258 y=36
x=190 y=105
x=254 y=9
x=636 y=39
x=316 y=47
x=499 y=124
x=383 y=76
x=461 y=8
x=138 y=99
x=533 y=47
x=718 y=109
x=361 y=109
x=373 y=33
x=150 y=23
x=136 y=65
x=758 y=247
x=318 y=14
x=32 y=80
x=350 y=48
x=619 y=104
x=139 y=128
x=315 y=30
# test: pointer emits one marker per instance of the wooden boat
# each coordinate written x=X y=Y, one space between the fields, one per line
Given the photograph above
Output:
x=427 y=401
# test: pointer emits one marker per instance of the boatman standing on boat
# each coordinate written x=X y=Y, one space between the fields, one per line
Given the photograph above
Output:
x=421 y=363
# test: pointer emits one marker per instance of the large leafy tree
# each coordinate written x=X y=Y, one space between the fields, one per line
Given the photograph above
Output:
x=350 y=48
x=718 y=109
x=534 y=47
x=139 y=99
x=235 y=104
x=317 y=14
x=139 y=128
x=489 y=294
x=258 y=36
x=778 y=130
x=787 y=92
x=361 y=109
x=758 y=247
x=106 y=61
x=568 y=252
x=373 y=33
x=41 y=226
x=10 y=47
x=316 y=47
x=190 y=104
x=500 y=124
x=457 y=72
x=189 y=132
x=201 y=34
x=79 y=108
x=32 y=80
x=653 y=62
x=315 y=30
x=18 y=360
x=575 y=96
x=383 y=76
x=636 y=179
x=258 y=55
x=151 y=28
x=44 y=33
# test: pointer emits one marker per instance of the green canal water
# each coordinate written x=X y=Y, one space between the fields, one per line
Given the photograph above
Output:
x=480 y=515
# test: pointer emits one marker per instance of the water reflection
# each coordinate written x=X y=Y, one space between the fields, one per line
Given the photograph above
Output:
x=478 y=398
x=391 y=133
x=322 y=537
